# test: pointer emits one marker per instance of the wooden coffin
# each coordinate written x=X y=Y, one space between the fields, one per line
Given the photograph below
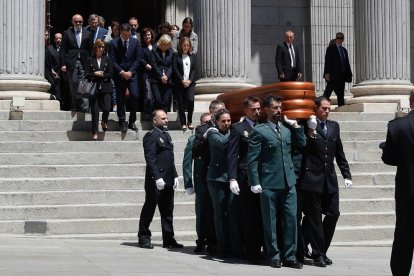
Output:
x=297 y=99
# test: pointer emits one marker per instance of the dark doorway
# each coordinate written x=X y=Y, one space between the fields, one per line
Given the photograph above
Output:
x=149 y=12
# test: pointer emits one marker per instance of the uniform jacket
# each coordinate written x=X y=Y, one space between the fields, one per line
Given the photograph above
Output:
x=237 y=150
x=334 y=66
x=269 y=161
x=283 y=60
x=55 y=60
x=69 y=50
x=178 y=69
x=90 y=65
x=399 y=151
x=189 y=180
x=125 y=62
x=218 y=143
x=161 y=65
x=318 y=160
x=159 y=156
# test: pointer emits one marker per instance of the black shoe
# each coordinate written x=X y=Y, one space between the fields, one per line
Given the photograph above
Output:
x=276 y=263
x=200 y=248
x=327 y=260
x=172 y=244
x=319 y=261
x=293 y=264
x=146 y=245
x=211 y=249
x=104 y=126
x=124 y=127
x=132 y=127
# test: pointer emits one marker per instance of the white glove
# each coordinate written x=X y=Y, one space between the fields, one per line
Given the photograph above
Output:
x=176 y=183
x=209 y=130
x=234 y=186
x=257 y=189
x=189 y=191
x=160 y=184
x=291 y=122
x=312 y=123
x=348 y=183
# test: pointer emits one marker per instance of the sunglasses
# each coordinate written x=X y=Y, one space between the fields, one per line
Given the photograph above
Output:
x=78 y=22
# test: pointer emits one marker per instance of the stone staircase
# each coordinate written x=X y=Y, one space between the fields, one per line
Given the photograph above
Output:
x=55 y=182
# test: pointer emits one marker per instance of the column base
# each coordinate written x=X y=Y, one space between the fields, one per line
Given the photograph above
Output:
x=217 y=87
x=49 y=105
x=30 y=89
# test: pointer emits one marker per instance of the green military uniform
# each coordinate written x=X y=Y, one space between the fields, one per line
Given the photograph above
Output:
x=198 y=186
x=270 y=165
x=225 y=211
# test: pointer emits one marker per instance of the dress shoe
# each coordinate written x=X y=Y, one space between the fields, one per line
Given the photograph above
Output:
x=132 y=127
x=276 y=263
x=211 y=249
x=184 y=128
x=200 y=248
x=190 y=126
x=319 y=261
x=327 y=260
x=124 y=127
x=172 y=244
x=293 y=264
x=95 y=136
x=146 y=245
x=104 y=126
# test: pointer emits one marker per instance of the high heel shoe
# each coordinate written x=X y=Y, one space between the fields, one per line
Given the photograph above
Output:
x=95 y=137
x=104 y=126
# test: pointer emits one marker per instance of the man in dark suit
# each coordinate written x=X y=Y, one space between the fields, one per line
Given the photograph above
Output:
x=318 y=180
x=270 y=172
x=201 y=150
x=58 y=76
x=337 y=70
x=97 y=32
x=399 y=151
x=249 y=202
x=287 y=59
x=76 y=44
x=126 y=55
x=161 y=180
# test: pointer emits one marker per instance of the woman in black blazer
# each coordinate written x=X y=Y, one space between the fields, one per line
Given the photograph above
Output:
x=99 y=69
x=160 y=77
x=184 y=77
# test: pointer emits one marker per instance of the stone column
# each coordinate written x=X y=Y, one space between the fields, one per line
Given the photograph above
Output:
x=224 y=32
x=382 y=72
x=22 y=54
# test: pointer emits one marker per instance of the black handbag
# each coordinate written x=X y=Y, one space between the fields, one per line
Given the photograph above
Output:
x=86 y=89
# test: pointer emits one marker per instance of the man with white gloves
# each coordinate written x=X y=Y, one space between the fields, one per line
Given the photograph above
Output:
x=271 y=173
x=249 y=203
x=161 y=180
x=318 y=180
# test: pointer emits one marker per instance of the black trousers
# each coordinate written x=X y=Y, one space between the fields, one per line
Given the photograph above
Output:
x=185 y=97
x=291 y=74
x=320 y=233
x=251 y=219
x=121 y=85
x=162 y=95
x=339 y=87
x=101 y=101
x=165 y=201
x=403 y=245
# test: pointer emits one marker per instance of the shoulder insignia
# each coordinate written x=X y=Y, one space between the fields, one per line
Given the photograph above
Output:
x=246 y=133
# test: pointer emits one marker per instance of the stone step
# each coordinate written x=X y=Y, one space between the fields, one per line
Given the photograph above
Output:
x=77 y=158
x=367 y=145
x=128 y=210
x=363 y=135
x=78 y=146
x=378 y=178
x=53 y=136
x=366 y=218
x=364 y=233
x=369 y=167
x=363 y=125
x=136 y=194
x=364 y=156
x=361 y=116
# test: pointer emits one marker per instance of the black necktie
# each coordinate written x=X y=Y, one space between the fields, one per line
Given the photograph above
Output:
x=125 y=47
x=277 y=128
x=323 y=127
x=341 y=54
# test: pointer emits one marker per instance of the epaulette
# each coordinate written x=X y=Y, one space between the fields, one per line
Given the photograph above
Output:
x=260 y=125
x=332 y=121
x=394 y=119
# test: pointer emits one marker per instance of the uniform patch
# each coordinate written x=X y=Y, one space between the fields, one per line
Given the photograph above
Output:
x=246 y=133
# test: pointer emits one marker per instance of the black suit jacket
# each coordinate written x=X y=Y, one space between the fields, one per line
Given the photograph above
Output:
x=318 y=160
x=283 y=60
x=178 y=69
x=334 y=66
x=237 y=151
x=161 y=65
x=159 y=157
x=399 y=151
x=90 y=65
x=125 y=62
x=54 y=58
x=69 y=50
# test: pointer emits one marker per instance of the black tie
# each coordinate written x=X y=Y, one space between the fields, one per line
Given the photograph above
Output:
x=323 y=127
x=277 y=128
x=125 y=47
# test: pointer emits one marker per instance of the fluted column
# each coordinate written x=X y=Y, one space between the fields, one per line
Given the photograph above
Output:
x=22 y=50
x=224 y=34
x=382 y=50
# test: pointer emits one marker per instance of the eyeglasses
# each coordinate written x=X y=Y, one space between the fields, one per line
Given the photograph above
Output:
x=79 y=22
